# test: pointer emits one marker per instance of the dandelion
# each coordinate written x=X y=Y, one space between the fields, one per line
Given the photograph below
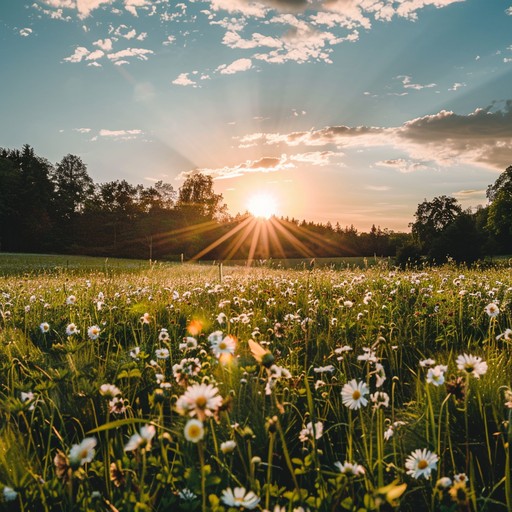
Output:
x=472 y=365
x=239 y=497
x=353 y=394
x=492 y=310
x=436 y=375
x=93 y=332
x=199 y=400
x=194 y=431
x=420 y=463
x=71 y=329
x=45 y=327
x=142 y=439
x=350 y=469
x=82 y=453
x=9 y=493
x=162 y=353
x=227 y=446
x=310 y=431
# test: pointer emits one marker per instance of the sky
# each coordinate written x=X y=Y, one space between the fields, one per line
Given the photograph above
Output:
x=349 y=111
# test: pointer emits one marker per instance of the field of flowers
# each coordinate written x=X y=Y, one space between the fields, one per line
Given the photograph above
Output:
x=187 y=388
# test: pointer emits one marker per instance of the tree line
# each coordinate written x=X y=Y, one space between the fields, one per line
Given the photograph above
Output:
x=58 y=208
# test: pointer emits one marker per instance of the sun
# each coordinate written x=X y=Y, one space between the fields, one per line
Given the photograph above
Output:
x=262 y=205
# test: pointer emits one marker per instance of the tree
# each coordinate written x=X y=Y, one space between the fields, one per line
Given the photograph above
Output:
x=432 y=217
x=197 y=197
x=502 y=184
x=499 y=217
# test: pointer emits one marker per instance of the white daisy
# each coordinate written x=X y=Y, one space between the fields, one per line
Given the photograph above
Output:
x=472 y=365
x=435 y=375
x=45 y=327
x=194 y=431
x=239 y=497
x=492 y=310
x=82 y=453
x=349 y=469
x=199 y=400
x=420 y=463
x=71 y=329
x=353 y=394
x=93 y=332
x=142 y=439
x=226 y=345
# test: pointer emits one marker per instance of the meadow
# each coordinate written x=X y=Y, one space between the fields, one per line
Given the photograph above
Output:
x=133 y=387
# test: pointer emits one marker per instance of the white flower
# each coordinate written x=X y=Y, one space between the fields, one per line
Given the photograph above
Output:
x=461 y=478
x=421 y=463
x=226 y=345
x=45 y=327
x=324 y=369
x=492 y=310
x=353 y=394
x=162 y=353
x=506 y=335
x=142 y=439
x=134 y=354
x=187 y=495
x=194 y=430
x=9 y=494
x=188 y=343
x=227 y=446
x=380 y=399
x=145 y=318
x=380 y=375
x=199 y=400
x=473 y=365
x=164 y=335
x=349 y=469
x=71 y=300
x=82 y=453
x=71 y=329
x=427 y=362
x=443 y=483
x=309 y=431
x=221 y=319
x=117 y=405
x=93 y=332
x=436 y=375
x=109 y=390
x=239 y=497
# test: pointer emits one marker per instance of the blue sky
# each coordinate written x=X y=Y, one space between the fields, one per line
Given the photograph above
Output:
x=349 y=111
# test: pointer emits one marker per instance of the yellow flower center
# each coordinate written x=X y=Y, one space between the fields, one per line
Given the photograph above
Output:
x=223 y=345
x=422 y=464
x=201 y=402
x=356 y=395
x=194 y=431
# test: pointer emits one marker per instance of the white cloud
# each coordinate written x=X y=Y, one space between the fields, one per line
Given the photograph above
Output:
x=170 y=40
x=84 y=7
x=95 y=55
x=317 y=158
x=378 y=188
x=25 y=32
x=79 y=54
x=235 y=67
x=104 y=44
x=403 y=165
x=119 y=134
x=509 y=11
x=121 y=62
x=132 y=5
x=82 y=130
x=140 y=53
x=406 y=81
x=247 y=8
x=184 y=80
x=456 y=86
x=482 y=138
x=95 y=64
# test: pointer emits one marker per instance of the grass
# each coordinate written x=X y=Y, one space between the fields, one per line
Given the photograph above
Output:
x=158 y=400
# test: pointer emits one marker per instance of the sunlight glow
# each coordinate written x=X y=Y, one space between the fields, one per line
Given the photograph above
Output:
x=262 y=206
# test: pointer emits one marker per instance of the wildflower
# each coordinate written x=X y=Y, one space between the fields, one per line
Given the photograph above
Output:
x=71 y=300
x=221 y=319
x=388 y=433
x=353 y=394
x=187 y=495
x=380 y=399
x=62 y=467
x=459 y=494
x=162 y=353
x=443 y=483
x=117 y=405
x=9 y=494
x=472 y=365
x=456 y=387
x=436 y=375
x=261 y=354
x=93 y=332
x=226 y=346
x=71 y=329
x=109 y=390
x=311 y=431
x=348 y=304
x=492 y=310
x=188 y=343
x=239 y=497
x=421 y=463
x=227 y=446
x=186 y=369
x=45 y=327
x=163 y=335
x=134 y=354
x=194 y=431
x=117 y=475
x=324 y=369
x=508 y=398
x=349 y=469
x=82 y=453
x=142 y=439
x=506 y=335
x=199 y=400
x=145 y=318
x=461 y=478
x=380 y=375
x=427 y=362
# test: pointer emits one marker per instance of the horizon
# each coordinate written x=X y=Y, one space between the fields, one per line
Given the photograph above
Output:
x=340 y=112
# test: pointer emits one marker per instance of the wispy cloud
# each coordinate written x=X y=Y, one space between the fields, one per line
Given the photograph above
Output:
x=402 y=165
x=408 y=84
x=118 y=135
x=25 y=32
x=235 y=67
